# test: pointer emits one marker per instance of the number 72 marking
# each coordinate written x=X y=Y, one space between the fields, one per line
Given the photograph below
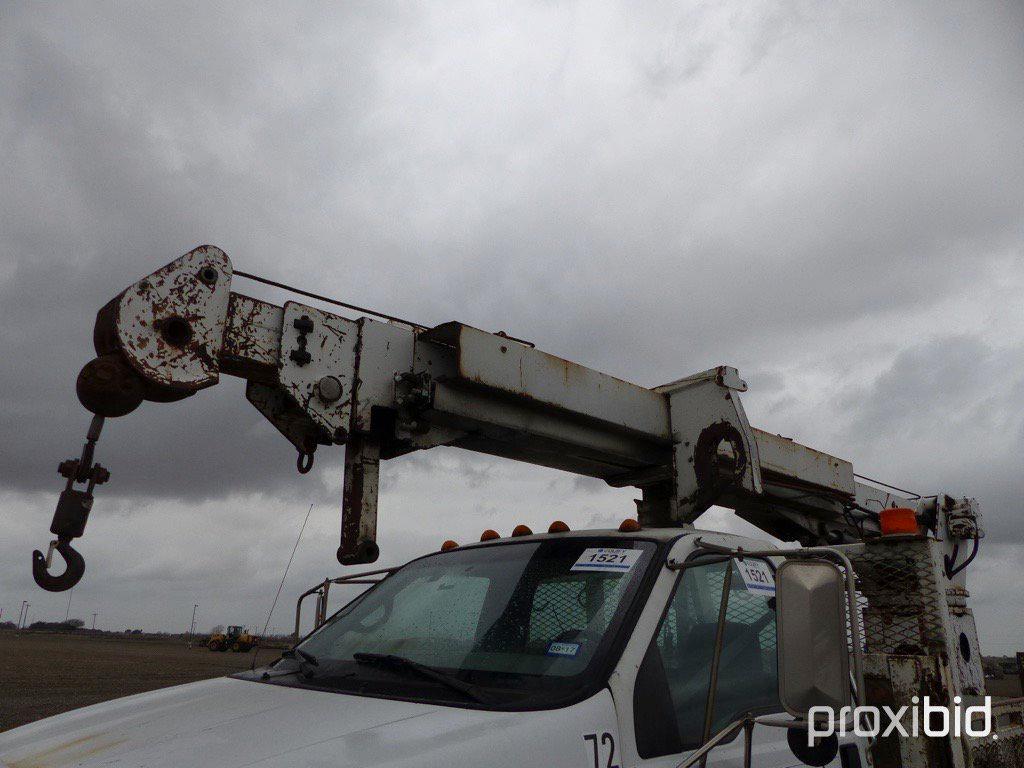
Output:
x=599 y=744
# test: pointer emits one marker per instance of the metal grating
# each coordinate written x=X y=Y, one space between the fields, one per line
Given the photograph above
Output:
x=899 y=598
x=751 y=610
x=561 y=605
x=1007 y=752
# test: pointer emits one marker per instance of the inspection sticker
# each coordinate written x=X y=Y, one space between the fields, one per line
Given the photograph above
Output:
x=607 y=559
x=563 y=649
x=757 y=576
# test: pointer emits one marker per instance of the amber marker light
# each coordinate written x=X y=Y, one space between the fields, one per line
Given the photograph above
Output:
x=558 y=527
x=489 y=535
x=449 y=545
x=898 y=520
x=629 y=525
x=521 y=530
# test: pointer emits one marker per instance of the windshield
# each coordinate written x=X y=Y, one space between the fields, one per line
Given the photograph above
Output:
x=533 y=621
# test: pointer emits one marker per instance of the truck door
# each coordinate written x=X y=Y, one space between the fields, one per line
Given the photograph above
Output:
x=679 y=702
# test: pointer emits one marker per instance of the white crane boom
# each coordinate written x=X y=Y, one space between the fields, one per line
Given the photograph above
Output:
x=386 y=388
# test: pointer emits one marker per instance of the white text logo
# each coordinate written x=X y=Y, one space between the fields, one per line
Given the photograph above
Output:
x=920 y=718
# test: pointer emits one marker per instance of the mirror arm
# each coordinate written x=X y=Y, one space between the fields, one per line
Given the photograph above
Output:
x=748 y=742
x=773 y=721
x=323 y=587
x=298 y=610
x=799 y=723
x=746 y=723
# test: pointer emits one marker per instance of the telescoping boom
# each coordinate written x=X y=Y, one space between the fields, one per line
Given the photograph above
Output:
x=386 y=387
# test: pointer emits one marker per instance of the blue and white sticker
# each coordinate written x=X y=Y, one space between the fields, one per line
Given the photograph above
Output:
x=563 y=649
x=607 y=559
x=757 y=576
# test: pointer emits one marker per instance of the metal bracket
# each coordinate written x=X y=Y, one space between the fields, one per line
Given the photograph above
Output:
x=359 y=503
x=715 y=449
x=300 y=355
x=322 y=346
x=281 y=411
x=963 y=518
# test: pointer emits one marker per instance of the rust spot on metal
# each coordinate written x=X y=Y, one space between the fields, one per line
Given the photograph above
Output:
x=168 y=322
x=356 y=423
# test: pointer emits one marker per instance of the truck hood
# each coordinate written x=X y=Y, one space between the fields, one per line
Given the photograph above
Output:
x=230 y=723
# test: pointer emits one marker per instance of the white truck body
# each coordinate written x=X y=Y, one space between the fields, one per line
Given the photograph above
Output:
x=234 y=722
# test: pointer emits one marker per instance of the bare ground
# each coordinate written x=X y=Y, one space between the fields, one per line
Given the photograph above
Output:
x=1005 y=687
x=46 y=674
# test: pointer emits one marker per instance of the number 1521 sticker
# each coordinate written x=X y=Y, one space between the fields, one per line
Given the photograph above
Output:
x=757 y=576
x=607 y=559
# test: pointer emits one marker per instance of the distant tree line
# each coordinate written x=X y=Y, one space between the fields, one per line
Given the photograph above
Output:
x=63 y=626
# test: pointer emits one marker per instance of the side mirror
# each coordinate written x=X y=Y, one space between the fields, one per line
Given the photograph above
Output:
x=814 y=662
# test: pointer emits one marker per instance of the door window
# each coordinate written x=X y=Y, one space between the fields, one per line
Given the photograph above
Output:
x=674 y=687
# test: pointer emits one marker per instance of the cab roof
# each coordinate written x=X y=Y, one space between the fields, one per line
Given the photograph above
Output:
x=659 y=534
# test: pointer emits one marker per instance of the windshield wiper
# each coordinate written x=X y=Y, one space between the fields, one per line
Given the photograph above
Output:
x=390 y=661
x=301 y=656
x=306 y=656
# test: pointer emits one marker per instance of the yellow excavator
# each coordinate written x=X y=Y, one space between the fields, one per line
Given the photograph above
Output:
x=235 y=639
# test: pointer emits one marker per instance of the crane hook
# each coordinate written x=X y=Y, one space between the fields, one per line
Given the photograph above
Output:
x=72 y=573
x=73 y=507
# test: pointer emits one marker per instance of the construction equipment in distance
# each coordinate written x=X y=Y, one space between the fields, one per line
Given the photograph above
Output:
x=235 y=638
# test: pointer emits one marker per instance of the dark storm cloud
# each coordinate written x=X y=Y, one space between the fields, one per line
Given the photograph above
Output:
x=827 y=196
x=117 y=171
x=951 y=408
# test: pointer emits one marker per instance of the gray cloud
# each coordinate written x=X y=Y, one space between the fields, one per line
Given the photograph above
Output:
x=952 y=405
x=827 y=196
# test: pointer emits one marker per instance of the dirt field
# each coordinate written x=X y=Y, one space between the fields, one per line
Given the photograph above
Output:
x=45 y=674
x=1008 y=687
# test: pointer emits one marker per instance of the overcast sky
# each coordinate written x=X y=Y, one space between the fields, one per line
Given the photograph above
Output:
x=828 y=196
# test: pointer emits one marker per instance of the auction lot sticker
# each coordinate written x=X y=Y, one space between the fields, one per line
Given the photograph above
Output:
x=607 y=559
x=757 y=576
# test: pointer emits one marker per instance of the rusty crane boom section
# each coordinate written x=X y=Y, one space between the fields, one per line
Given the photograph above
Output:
x=384 y=388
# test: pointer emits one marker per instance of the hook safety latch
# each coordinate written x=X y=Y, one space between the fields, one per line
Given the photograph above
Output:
x=70 y=517
x=72 y=573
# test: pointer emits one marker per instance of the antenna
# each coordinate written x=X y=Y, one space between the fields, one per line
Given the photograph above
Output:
x=281 y=585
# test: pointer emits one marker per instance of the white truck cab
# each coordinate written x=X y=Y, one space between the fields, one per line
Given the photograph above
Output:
x=580 y=649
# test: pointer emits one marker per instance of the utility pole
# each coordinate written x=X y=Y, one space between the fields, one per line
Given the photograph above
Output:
x=27 y=606
x=67 y=613
x=192 y=626
x=94 y=621
x=21 y=613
